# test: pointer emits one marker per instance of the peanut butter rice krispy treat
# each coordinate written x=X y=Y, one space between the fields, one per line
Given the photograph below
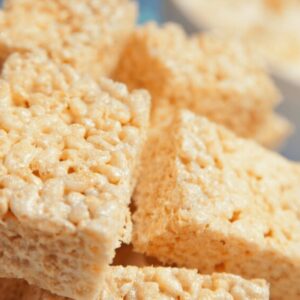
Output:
x=209 y=200
x=271 y=26
x=68 y=148
x=212 y=75
x=87 y=34
x=155 y=283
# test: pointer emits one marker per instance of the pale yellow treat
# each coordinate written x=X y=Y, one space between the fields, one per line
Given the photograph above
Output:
x=272 y=131
x=212 y=75
x=209 y=200
x=271 y=26
x=87 y=34
x=68 y=150
x=154 y=283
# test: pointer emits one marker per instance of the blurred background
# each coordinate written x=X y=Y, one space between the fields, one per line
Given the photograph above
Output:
x=171 y=10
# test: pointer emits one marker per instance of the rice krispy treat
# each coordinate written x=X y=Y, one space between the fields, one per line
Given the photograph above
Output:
x=69 y=148
x=154 y=283
x=209 y=200
x=273 y=126
x=87 y=34
x=269 y=25
x=211 y=75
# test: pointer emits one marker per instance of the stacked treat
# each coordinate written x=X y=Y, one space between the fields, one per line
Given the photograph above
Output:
x=88 y=163
x=208 y=74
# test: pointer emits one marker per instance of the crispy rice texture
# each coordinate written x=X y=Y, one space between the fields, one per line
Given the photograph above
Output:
x=69 y=147
x=209 y=200
x=86 y=34
x=212 y=75
x=154 y=283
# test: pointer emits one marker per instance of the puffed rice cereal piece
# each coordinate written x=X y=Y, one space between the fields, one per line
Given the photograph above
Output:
x=154 y=283
x=209 y=200
x=69 y=147
x=86 y=34
x=212 y=75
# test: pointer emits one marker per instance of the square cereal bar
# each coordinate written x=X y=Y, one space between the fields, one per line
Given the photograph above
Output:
x=68 y=153
x=209 y=200
x=212 y=75
x=87 y=34
x=154 y=283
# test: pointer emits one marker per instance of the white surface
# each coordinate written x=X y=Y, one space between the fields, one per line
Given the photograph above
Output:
x=290 y=107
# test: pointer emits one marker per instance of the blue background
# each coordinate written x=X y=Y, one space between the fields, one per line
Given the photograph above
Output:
x=150 y=10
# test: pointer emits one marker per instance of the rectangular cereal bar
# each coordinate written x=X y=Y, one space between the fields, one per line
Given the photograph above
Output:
x=156 y=284
x=68 y=153
x=209 y=200
x=212 y=75
x=87 y=34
